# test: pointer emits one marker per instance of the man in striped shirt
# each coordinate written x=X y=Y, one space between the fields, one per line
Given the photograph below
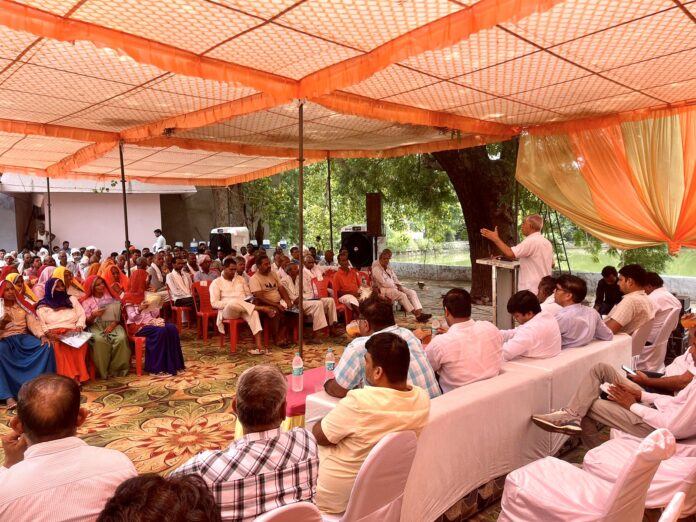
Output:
x=267 y=468
x=350 y=370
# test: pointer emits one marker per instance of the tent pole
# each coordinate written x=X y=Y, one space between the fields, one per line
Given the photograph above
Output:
x=328 y=168
x=125 y=203
x=300 y=161
x=50 y=225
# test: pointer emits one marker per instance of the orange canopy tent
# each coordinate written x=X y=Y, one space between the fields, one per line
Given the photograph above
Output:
x=207 y=92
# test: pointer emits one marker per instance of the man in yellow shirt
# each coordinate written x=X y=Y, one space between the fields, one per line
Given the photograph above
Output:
x=360 y=420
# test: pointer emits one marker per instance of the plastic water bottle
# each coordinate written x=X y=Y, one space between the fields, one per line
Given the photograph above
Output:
x=434 y=325
x=329 y=365
x=297 y=373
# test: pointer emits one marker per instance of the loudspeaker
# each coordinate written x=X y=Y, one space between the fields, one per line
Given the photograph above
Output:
x=375 y=225
x=359 y=246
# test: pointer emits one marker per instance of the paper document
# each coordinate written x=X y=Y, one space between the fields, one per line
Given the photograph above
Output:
x=76 y=340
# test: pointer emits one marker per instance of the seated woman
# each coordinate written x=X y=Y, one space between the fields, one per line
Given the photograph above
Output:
x=22 y=288
x=163 y=347
x=116 y=281
x=73 y=286
x=109 y=344
x=61 y=314
x=40 y=287
x=6 y=271
x=25 y=352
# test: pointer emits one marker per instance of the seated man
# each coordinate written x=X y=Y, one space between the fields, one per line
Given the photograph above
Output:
x=608 y=293
x=545 y=294
x=312 y=308
x=192 y=264
x=328 y=260
x=663 y=303
x=49 y=473
x=579 y=324
x=269 y=291
x=350 y=370
x=346 y=284
x=626 y=408
x=230 y=294
x=205 y=273
x=469 y=351
x=537 y=336
x=180 y=285
x=310 y=272
x=384 y=279
x=268 y=467
x=158 y=277
x=359 y=421
x=635 y=308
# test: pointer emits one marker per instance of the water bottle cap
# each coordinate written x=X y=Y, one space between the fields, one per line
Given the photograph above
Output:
x=330 y=349
x=297 y=354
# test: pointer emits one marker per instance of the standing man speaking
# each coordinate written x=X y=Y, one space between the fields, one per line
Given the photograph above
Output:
x=535 y=253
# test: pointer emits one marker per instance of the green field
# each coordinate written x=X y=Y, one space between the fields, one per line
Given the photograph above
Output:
x=580 y=261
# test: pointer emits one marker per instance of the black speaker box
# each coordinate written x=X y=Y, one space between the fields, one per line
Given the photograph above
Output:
x=359 y=246
x=375 y=224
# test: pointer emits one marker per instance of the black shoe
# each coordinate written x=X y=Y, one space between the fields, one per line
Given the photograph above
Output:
x=423 y=318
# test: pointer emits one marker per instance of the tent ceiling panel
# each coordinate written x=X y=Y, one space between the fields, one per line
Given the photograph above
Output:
x=571 y=92
x=674 y=68
x=503 y=111
x=610 y=105
x=675 y=92
x=440 y=96
x=49 y=105
x=283 y=51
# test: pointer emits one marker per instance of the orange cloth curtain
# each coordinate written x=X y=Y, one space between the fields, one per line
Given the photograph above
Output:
x=627 y=182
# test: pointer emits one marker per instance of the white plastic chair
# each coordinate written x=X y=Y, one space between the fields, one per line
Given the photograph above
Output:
x=652 y=358
x=297 y=512
x=553 y=490
x=675 y=474
x=378 y=490
x=674 y=509
x=638 y=340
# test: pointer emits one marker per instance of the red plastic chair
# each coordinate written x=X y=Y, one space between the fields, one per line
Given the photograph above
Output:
x=204 y=310
x=365 y=276
x=178 y=312
x=138 y=344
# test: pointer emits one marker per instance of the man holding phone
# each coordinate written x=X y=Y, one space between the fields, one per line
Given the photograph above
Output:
x=628 y=407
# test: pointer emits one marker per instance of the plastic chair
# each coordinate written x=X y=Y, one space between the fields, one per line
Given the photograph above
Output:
x=676 y=474
x=652 y=358
x=365 y=277
x=378 y=490
x=552 y=489
x=638 y=340
x=297 y=512
x=178 y=312
x=138 y=343
x=204 y=310
x=674 y=509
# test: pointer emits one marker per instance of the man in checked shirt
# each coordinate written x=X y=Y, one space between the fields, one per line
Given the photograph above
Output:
x=267 y=468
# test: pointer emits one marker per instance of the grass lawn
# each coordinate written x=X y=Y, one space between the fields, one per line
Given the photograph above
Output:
x=580 y=261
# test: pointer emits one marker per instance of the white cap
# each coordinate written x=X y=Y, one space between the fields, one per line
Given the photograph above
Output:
x=91 y=248
x=75 y=251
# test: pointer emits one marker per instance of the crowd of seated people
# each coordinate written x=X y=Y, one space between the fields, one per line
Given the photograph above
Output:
x=385 y=377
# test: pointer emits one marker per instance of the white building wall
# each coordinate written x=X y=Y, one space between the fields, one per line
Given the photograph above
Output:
x=97 y=219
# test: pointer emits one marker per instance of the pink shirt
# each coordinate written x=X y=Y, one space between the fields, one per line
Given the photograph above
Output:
x=62 y=480
x=468 y=352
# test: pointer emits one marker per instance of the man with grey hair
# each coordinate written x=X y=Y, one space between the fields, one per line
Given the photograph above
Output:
x=267 y=467
x=535 y=252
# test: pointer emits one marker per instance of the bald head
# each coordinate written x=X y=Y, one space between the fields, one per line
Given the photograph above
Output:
x=141 y=263
x=48 y=408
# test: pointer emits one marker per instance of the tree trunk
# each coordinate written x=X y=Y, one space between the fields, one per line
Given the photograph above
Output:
x=221 y=210
x=236 y=205
x=484 y=189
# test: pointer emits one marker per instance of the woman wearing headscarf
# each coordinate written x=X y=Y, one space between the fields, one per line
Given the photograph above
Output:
x=61 y=314
x=39 y=287
x=116 y=281
x=163 y=347
x=109 y=344
x=25 y=351
x=22 y=288
x=7 y=270
x=73 y=286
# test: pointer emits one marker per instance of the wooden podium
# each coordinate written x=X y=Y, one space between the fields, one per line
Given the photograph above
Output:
x=505 y=275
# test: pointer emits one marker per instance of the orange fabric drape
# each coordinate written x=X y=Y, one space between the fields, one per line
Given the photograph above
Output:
x=627 y=181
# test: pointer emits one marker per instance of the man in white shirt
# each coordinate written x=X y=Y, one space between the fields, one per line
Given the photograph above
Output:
x=385 y=281
x=627 y=407
x=86 y=260
x=230 y=294
x=312 y=308
x=205 y=273
x=545 y=294
x=635 y=309
x=469 y=350
x=180 y=285
x=535 y=252
x=49 y=473
x=579 y=324
x=663 y=302
x=160 y=241
x=310 y=272
x=537 y=336
x=328 y=260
